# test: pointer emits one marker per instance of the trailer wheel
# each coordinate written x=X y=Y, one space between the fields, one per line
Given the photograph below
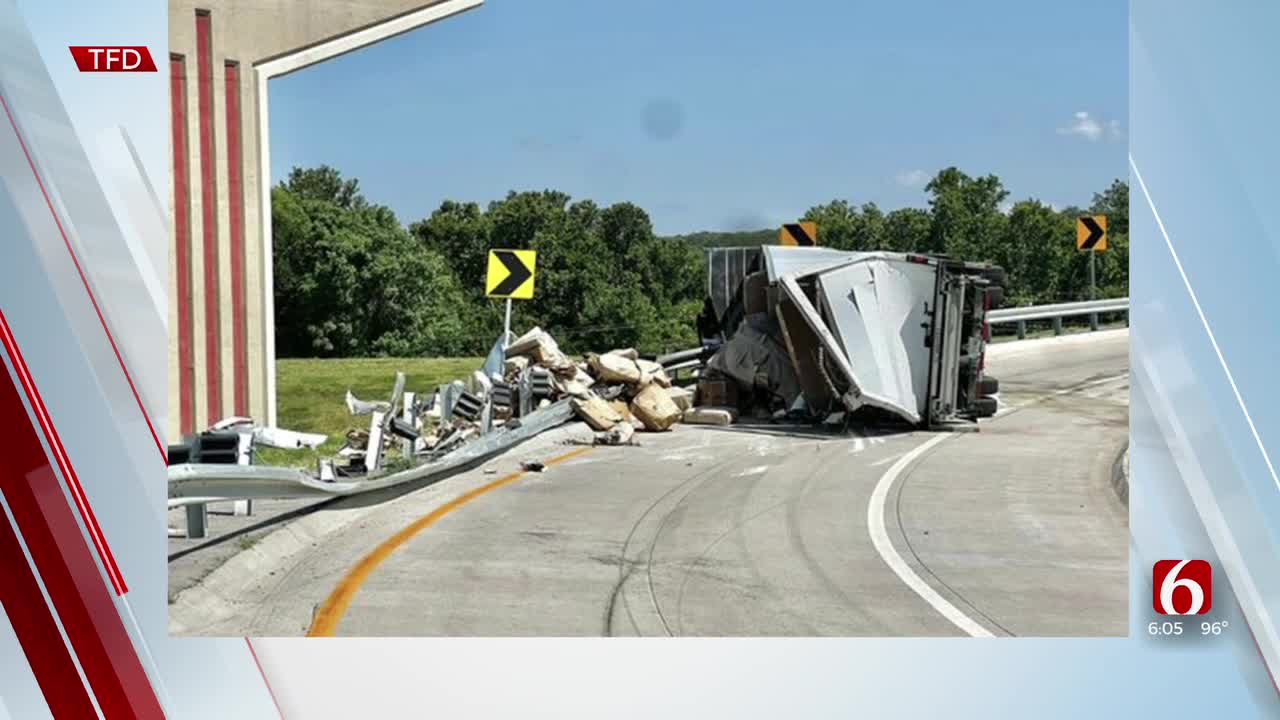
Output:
x=996 y=276
x=984 y=407
x=988 y=386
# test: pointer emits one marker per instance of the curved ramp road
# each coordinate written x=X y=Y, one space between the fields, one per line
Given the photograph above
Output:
x=1014 y=530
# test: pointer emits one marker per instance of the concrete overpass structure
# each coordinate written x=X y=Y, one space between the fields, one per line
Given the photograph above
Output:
x=223 y=54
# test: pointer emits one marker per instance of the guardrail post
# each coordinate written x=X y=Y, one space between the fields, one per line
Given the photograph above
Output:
x=197 y=521
x=409 y=415
x=1093 y=322
x=1022 y=329
x=373 y=451
x=1057 y=325
x=244 y=508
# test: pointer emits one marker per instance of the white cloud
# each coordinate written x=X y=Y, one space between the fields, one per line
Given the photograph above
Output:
x=912 y=178
x=1084 y=125
x=1006 y=207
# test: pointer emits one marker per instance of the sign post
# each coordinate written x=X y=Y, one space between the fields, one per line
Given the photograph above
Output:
x=506 y=326
x=1091 y=237
x=510 y=276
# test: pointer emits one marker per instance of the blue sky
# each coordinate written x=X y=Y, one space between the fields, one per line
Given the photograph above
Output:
x=720 y=114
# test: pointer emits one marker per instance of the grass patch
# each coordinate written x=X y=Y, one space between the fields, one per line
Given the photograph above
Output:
x=310 y=395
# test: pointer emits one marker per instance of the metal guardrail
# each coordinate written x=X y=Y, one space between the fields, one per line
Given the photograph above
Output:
x=1046 y=312
x=1055 y=312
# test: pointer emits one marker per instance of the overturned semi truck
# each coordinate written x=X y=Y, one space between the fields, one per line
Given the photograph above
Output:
x=823 y=331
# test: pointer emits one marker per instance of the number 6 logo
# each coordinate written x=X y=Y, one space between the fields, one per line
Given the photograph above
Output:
x=1193 y=577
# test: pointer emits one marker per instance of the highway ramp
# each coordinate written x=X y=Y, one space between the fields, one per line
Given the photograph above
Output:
x=738 y=531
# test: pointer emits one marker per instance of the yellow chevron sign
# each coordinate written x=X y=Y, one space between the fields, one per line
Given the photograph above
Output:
x=510 y=274
x=1091 y=233
x=803 y=234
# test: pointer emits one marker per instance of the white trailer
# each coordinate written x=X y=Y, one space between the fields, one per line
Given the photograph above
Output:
x=896 y=333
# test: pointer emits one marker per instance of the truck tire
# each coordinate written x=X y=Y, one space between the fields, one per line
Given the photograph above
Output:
x=988 y=386
x=984 y=407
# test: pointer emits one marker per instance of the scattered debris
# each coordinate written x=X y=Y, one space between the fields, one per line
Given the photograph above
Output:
x=357 y=406
x=515 y=365
x=613 y=368
x=621 y=434
x=717 y=391
x=652 y=372
x=758 y=362
x=533 y=466
x=528 y=380
x=653 y=407
x=597 y=413
x=708 y=415
x=481 y=384
x=682 y=397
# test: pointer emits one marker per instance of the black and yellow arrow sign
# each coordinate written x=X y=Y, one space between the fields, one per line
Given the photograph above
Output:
x=1091 y=233
x=803 y=234
x=510 y=274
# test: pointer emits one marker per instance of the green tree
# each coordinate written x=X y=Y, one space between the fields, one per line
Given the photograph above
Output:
x=350 y=281
x=325 y=183
x=843 y=226
x=907 y=230
x=1035 y=253
x=1113 y=264
x=1114 y=203
x=966 y=214
x=459 y=232
x=623 y=226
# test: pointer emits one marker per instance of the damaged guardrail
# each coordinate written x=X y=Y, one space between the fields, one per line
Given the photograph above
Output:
x=262 y=481
x=1056 y=312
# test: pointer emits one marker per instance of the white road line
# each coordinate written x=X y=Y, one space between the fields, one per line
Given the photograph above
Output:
x=885 y=461
x=884 y=546
x=757 y=470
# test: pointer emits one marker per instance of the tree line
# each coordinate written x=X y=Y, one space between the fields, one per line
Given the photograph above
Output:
x=352 y=281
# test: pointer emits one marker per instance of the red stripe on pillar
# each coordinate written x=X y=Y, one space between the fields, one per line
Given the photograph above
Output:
x=208 y=214
x=182 y=242
x=63 y=559
x=235 y=190
x=47 y=653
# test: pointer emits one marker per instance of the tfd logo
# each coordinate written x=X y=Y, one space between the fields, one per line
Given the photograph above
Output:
x=113 y=58
x=1182 y=587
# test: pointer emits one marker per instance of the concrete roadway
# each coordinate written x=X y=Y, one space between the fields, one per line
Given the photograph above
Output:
x=1013 y=530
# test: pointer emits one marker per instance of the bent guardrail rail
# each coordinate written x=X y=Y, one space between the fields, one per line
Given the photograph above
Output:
x=211 y=481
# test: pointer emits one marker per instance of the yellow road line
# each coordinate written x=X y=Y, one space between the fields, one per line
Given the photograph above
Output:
x=335 y=606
